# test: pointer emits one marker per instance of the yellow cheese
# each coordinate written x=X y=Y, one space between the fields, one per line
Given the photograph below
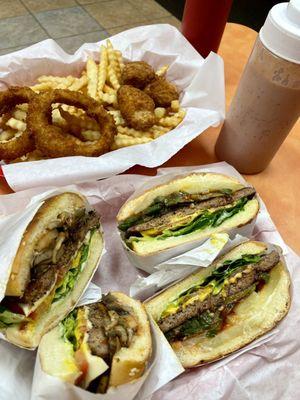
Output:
x=204 y=293
x=96 y=365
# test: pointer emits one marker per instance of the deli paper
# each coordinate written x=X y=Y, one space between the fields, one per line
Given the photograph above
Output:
x=268 y=370
x=200 y=81
x=46 y=387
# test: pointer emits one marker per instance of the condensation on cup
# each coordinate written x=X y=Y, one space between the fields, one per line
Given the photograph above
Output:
x=266 y=104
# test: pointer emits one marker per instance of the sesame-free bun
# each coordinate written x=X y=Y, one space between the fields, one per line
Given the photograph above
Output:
x=253 y=316
x=30 y=334
x=193 y=183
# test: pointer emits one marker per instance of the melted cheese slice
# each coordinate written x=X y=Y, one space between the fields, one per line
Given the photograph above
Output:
x=90 y=365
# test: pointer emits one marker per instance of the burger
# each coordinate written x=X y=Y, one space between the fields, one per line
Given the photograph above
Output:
x=99 y=346
x=56 y=258
x=222 y=308
x=185 y=210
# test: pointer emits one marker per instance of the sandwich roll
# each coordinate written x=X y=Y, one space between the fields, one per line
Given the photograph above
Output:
x=56 y=258
x=220 y=309
x=99 y=346
x=178 y=215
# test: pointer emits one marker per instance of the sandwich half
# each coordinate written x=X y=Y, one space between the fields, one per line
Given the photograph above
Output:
x=57 y=256
x=185 y=210
x=224 y=307
x=99 y=346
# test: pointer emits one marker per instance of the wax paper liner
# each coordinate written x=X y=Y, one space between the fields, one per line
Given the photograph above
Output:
x=251 y=375
x=200 y=81
x=13 y=226
x=149 y=262
x=179 y=267
x=163 y=367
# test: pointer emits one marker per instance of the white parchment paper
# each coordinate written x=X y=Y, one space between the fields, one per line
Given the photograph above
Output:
x=163 y=367
x=202 y=95
x=268 y=370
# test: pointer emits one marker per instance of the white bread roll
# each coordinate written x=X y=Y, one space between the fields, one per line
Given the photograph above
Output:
x=193 y=183
x=30 y=334
x=253 y=316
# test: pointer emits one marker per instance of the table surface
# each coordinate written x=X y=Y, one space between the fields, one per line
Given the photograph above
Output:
x=279 y=184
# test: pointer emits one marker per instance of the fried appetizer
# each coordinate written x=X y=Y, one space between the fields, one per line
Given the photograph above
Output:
x=15 y=145
x=136 y=107
x=137 y=74
x=162 y=92
x=53 y=141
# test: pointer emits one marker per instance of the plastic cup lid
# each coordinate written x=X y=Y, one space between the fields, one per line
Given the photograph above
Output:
x=281 y=31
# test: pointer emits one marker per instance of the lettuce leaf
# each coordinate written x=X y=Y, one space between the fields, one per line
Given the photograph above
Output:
x=71 y=276
x=207 y=219
x=8 y=317
x=68 y=328
x=216 y=278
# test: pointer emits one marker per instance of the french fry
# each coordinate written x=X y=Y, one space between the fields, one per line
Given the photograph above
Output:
x=61 y=82
x=23 y=107
x=102 y=69
x=162 y=70
x=113 y=78
x=20 y=115
x=159 y=131
x=117 y=117
x=79 y=83
x=124 y=141
x=41 y=87
x=92 y=76
x=16 y=124
x=108 y=89
x=109 y=98
x=90 y=135
x=119 y=58
x=57 y=119
x=81 y=123
x=160 y=112
x=112 y=66
x=175 y=106
x=8 y=134
x=124 y=130
x=173 y=120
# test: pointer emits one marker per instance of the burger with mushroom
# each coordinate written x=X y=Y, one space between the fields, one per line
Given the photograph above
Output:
x=100 y=345
x=56 y=258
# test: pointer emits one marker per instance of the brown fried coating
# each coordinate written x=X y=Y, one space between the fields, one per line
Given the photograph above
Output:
x=136 y=107
x=162 y=92
x=137 y=74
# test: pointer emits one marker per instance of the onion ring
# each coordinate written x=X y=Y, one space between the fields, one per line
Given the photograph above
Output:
x=23 y=143
x=52 y=141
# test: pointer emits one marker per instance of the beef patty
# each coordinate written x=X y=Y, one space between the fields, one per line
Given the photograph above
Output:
x=212 y=302
x=163 y=221
x=44 y=275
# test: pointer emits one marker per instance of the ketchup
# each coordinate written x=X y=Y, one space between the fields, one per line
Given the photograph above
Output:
x=204 y=22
